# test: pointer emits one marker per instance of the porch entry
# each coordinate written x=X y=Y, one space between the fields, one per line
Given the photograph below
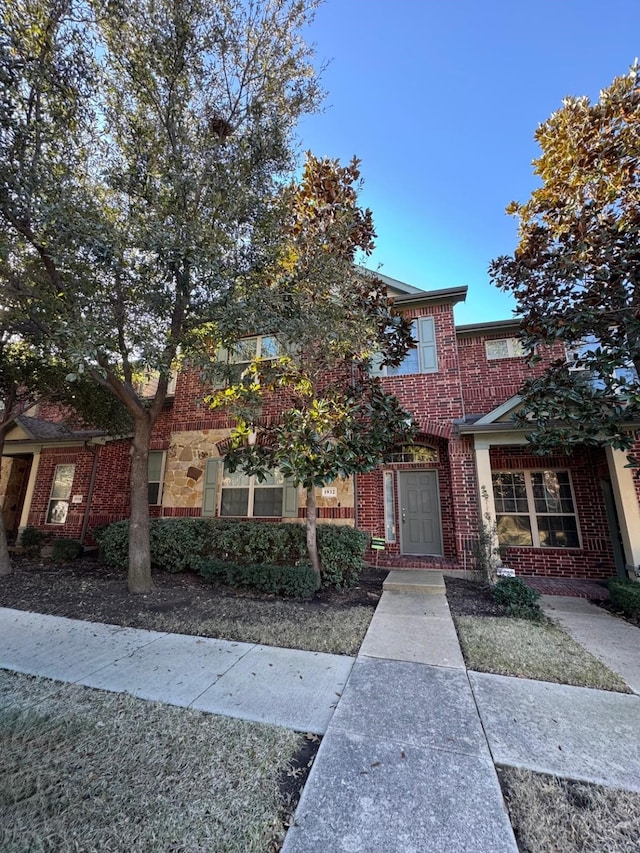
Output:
x=420 y=526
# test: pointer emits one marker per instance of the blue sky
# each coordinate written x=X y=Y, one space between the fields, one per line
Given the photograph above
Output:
x=440 y=101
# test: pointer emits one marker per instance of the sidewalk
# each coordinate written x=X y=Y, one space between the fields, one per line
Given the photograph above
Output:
x=407 y=761
x=284 y=687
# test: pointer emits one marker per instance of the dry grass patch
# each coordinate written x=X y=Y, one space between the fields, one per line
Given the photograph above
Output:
x=85 y=770
x=541 y=651
x=273 y=623
x=551 y=815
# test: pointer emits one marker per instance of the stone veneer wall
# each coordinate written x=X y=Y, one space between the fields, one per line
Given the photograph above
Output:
x=184 y=473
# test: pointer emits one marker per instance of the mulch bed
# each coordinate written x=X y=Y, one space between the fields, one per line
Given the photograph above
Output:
x=86 y=589
x=471 y=598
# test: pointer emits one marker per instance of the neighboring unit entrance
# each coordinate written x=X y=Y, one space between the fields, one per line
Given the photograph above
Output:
x=420 y=529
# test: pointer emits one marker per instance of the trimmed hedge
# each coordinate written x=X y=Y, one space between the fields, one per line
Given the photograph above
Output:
x=625 y=594
x=182 y=543
x=297 y=581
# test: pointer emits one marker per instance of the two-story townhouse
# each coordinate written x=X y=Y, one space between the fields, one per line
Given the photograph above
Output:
x=575 y=516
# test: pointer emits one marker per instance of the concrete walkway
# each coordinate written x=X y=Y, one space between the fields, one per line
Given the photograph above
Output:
x=406 y=764
x=613 y=641
x=285 y=687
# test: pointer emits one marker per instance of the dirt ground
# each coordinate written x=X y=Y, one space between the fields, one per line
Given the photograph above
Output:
x=86 y=589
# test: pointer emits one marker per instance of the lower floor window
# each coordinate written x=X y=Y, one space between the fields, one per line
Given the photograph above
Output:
x=535 y=509
x=245 y=496
x=60 y=494
x=155 y=473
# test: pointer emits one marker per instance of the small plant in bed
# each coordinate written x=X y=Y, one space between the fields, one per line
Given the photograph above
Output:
x=520 y=601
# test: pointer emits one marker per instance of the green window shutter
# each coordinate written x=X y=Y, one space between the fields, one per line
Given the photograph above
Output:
x=427 y=338
x=210 y=486
x=289 y=500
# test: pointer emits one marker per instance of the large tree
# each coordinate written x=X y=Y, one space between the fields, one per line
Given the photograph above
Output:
x=576 y=271
x=326 y=321
x=142 y=146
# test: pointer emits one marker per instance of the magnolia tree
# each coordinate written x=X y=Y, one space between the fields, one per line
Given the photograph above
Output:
x=142 y=150
x=326 y=321
x=576 y=271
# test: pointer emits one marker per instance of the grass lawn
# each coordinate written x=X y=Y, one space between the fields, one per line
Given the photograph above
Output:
x=85 y=770
x=541 y=651
x=288 y=624
x=551 y=815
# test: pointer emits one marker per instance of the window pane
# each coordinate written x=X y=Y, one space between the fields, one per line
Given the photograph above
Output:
x=411 y=363
x=155 y=466
x=269 y=347
x=154 y=492
x=551 y=491
x=244 y=350
x=509 y=491
x=559 y=531
x=62 y=482
x=497 y=349
x=389 y=508
x=57 y=512
x=272 y=478
x=234 y=502
x=267 y=502
x=236 y=480
x=514 y=530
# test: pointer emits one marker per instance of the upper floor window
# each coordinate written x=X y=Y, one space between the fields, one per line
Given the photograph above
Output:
x=422 y=358
x=535 y=509
x=147 y=385
x=576 y=354
x=60 y=494
x=248 y=349
x=504 y=348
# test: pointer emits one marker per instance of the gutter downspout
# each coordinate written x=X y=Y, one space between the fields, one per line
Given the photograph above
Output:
x=92 y=483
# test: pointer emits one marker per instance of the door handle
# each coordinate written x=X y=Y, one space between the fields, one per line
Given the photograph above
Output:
x=404 y=517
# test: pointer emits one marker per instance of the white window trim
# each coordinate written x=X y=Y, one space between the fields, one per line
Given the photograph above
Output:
x=514 y=348
x=228 y=356
x=60 y=500
x=252 y=485
x=532 y=514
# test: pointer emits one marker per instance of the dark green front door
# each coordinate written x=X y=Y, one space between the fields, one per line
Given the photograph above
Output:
x=420 y=527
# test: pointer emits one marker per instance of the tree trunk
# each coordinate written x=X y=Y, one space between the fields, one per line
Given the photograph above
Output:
x=312 y=539
x=5 y=561
x=139 y=550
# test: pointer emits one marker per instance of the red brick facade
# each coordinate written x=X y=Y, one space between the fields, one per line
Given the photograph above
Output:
x=450 y=404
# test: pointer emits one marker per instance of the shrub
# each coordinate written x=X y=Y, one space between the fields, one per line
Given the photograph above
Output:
x=180 y=543
x=341 y=552
x=625 y=594
x=520 y=600
x=31 y=541
x=113 y=544
x=298 y=581
x=66 y=549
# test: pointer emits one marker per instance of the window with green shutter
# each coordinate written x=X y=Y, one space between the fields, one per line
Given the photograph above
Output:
x=247 y=497
x=421 y=359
